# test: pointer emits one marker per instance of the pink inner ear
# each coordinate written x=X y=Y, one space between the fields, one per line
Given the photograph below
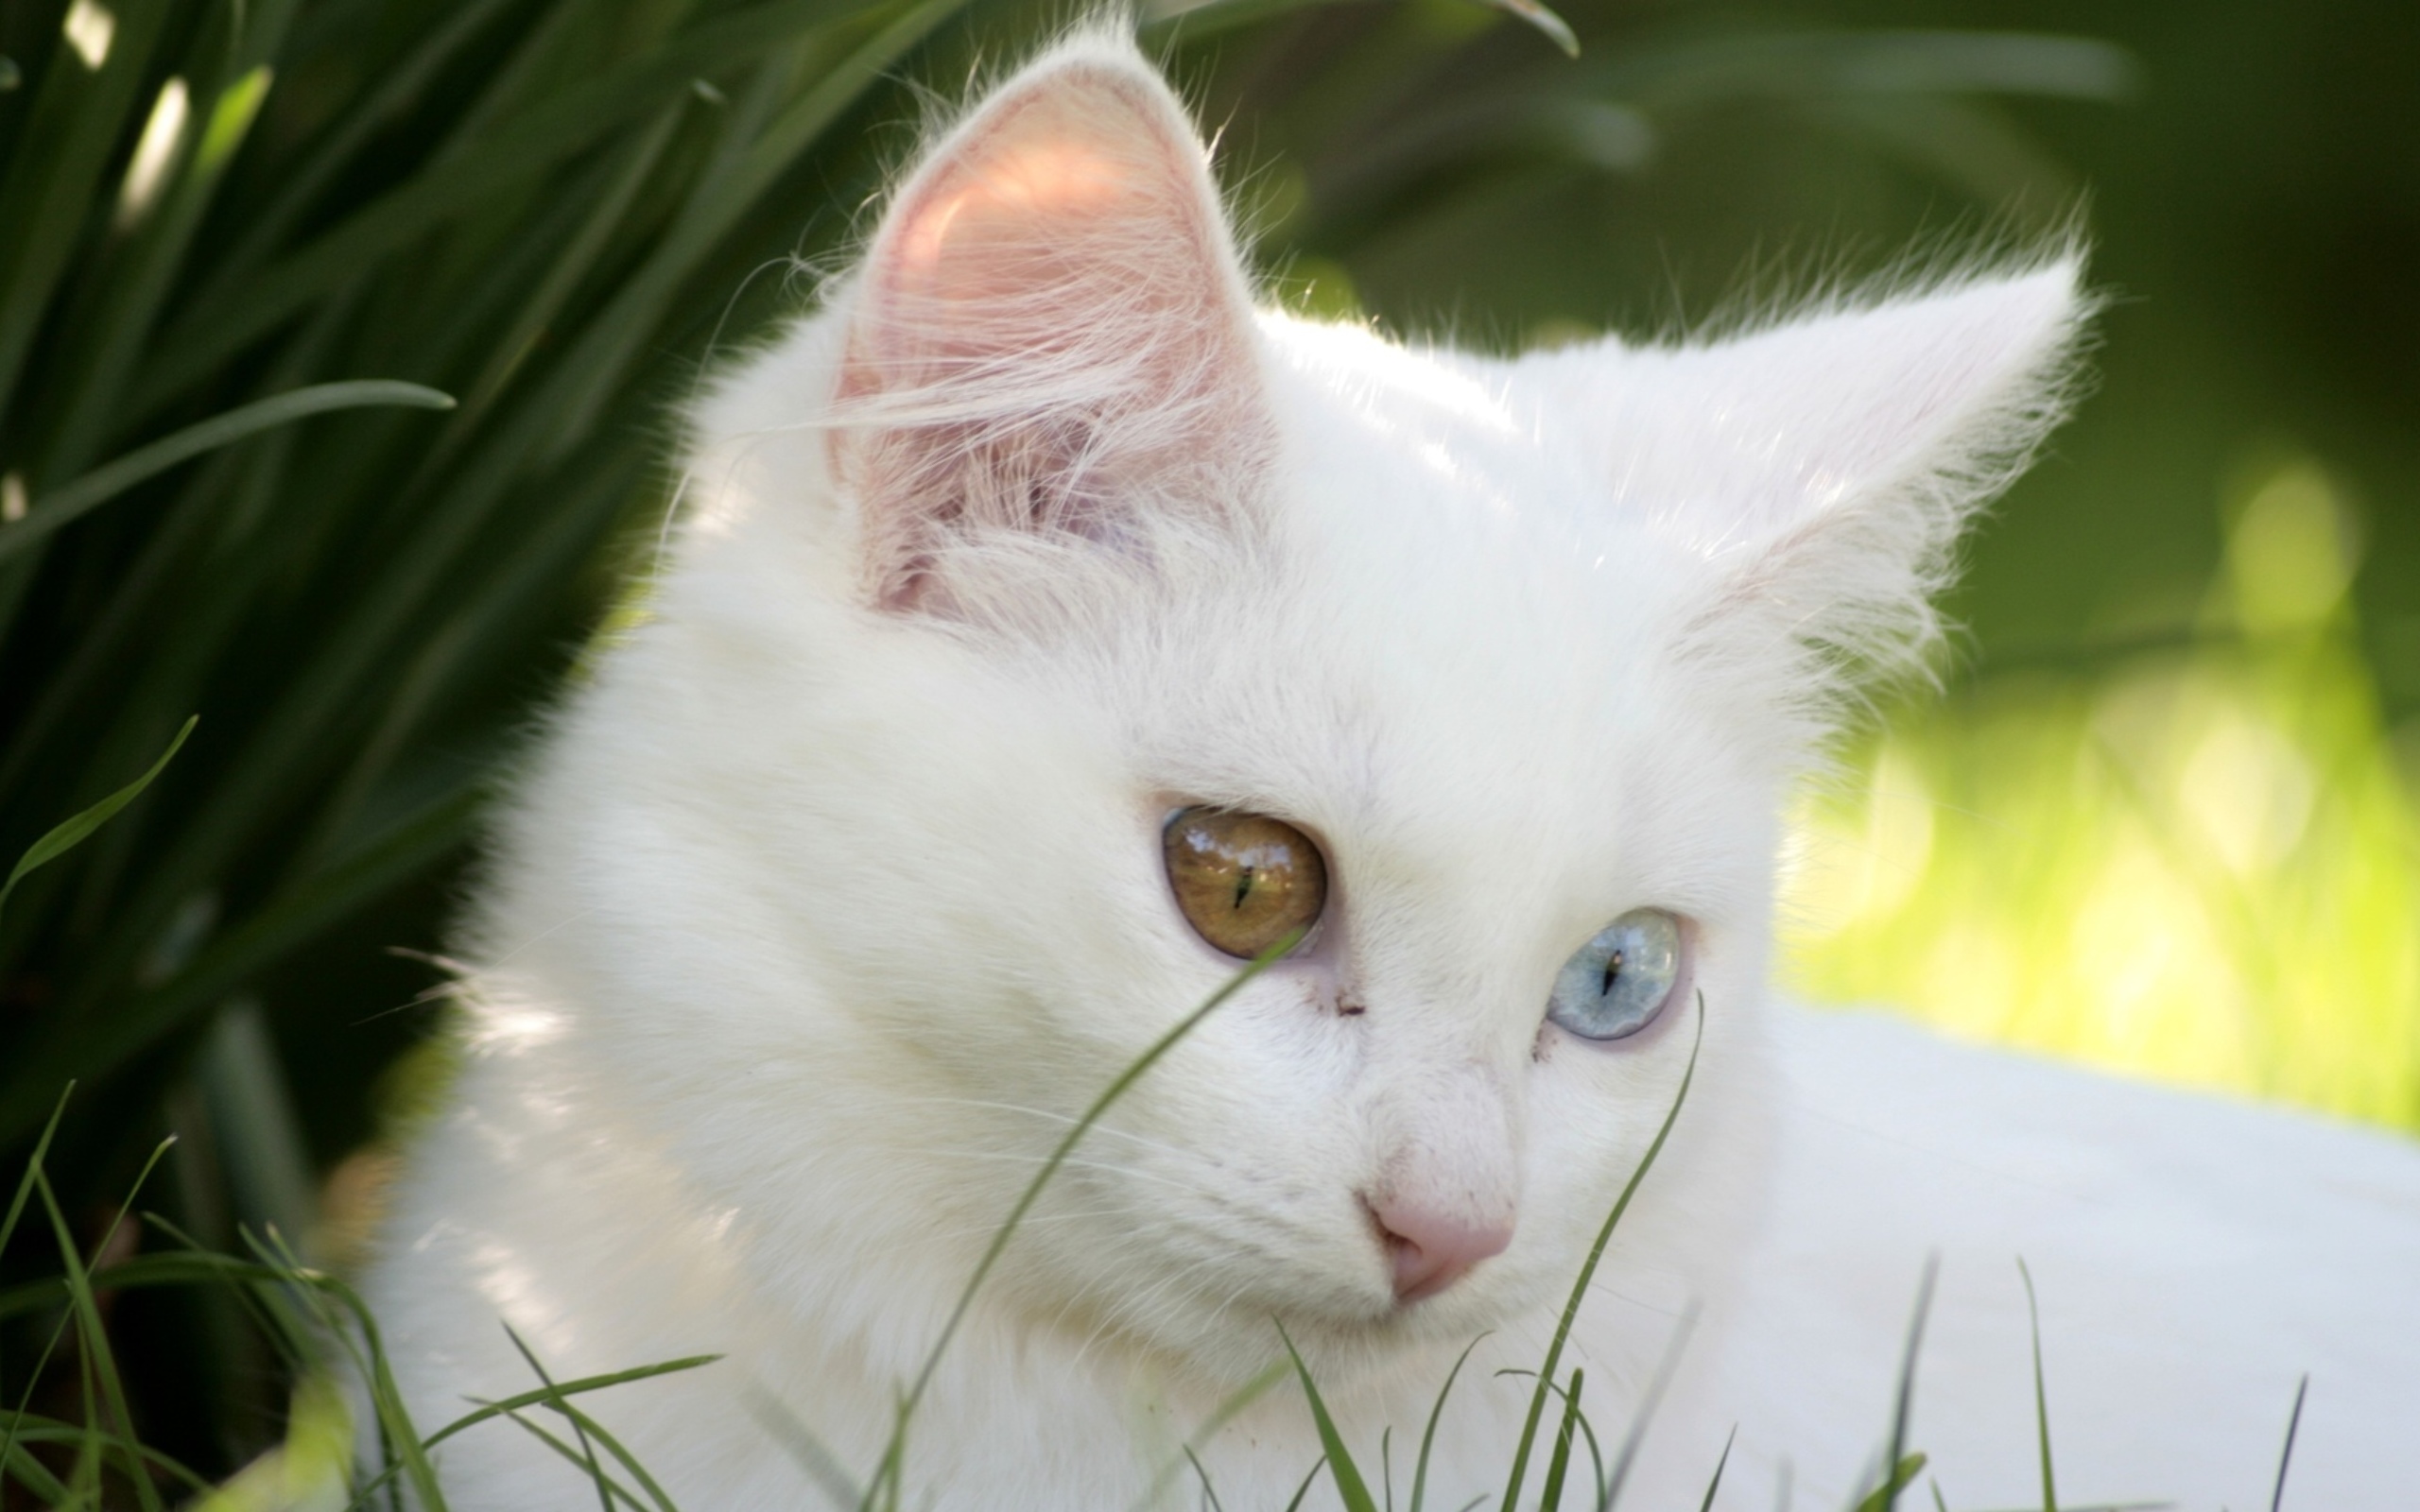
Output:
x=1042 y=174
x=1052 y=335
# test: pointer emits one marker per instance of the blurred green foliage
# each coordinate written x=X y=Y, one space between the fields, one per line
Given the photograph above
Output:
x=2199 y=863
x=2163 y=802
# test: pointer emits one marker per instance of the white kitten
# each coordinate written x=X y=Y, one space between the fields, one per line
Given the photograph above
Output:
x=1047 y=613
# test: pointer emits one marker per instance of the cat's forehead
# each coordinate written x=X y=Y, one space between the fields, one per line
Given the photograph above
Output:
x=1455 y=517
x=1483 y=475
x=1455 y=632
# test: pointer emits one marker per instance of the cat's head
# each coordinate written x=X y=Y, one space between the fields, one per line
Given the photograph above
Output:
x=1054 y=628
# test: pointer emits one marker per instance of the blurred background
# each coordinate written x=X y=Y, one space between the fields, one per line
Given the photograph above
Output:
x=2158 y=816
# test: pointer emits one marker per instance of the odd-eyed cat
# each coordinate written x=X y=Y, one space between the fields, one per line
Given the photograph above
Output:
x=1050 y=630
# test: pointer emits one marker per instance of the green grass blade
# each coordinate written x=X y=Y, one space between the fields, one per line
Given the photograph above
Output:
x=2041 y=1394
x=810 y=1453
x=104 y=351
x=247 y=1094
x=41 y=1362
x=1209 y=1492
x=1428 y=1435
x=1350 y=1487
x=1886 y=1496
x=1295 y=1502
x=1587 y=1434
x=17 y=1460
x=590 y=1430
x=2286 y=1455
x=54 y=178
x=1716 y=1484
x=614 y=339
x=400 y=85
x=1903 y=1394
x=510 y=154
x=1209 y=1428
x=67 y=836
x=348 y=1319
x=587 y=1457
x=25 y=1187
x=610 y=1492
x=1553 y=26
x=199 y=570
x=143 y=1271
x=411 y=1451
x=310 y=906
x=579 y=257
x=1558 y=1462
x=546 y=1396
x=73 y=501
x=1588 y=1272
x=97 y=1356
x=33 y=1168
x=31 y=1428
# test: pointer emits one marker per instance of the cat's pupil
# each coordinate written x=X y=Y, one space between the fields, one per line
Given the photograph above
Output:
x=1613 y=970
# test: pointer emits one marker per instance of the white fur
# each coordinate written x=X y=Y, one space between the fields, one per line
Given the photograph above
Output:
x=837 y=894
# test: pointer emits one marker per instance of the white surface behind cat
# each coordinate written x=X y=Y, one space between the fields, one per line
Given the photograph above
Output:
x=2193 y=1257
x=838 y=892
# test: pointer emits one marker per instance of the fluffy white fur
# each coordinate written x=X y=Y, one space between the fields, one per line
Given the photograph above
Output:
x=839 y=892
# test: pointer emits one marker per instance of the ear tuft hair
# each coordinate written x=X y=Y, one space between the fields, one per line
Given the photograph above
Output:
x=1826 y=467
x=1051 y=338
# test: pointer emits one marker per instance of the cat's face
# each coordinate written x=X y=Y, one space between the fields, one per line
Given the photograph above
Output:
x=1037 y=543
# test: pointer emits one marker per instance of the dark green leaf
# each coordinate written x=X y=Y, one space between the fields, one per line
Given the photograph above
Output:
x=106 y=482
x=72 y=832
x=1428 y=1435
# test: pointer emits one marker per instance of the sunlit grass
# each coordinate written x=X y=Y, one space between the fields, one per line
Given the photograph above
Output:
x=2196 y=862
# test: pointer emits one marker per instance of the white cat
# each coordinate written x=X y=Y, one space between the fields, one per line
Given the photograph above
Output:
x=1050 y=629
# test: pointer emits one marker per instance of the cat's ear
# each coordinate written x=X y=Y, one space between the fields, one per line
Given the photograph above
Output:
x=1826 y=467
x=1051 y=338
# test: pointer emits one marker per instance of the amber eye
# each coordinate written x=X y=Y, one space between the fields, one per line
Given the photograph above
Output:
x=1245 y=881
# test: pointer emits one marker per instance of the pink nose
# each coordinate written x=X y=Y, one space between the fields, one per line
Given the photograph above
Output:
x=1431 y=1250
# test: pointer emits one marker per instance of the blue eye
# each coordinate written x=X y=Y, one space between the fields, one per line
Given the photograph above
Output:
x=1618 y=982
